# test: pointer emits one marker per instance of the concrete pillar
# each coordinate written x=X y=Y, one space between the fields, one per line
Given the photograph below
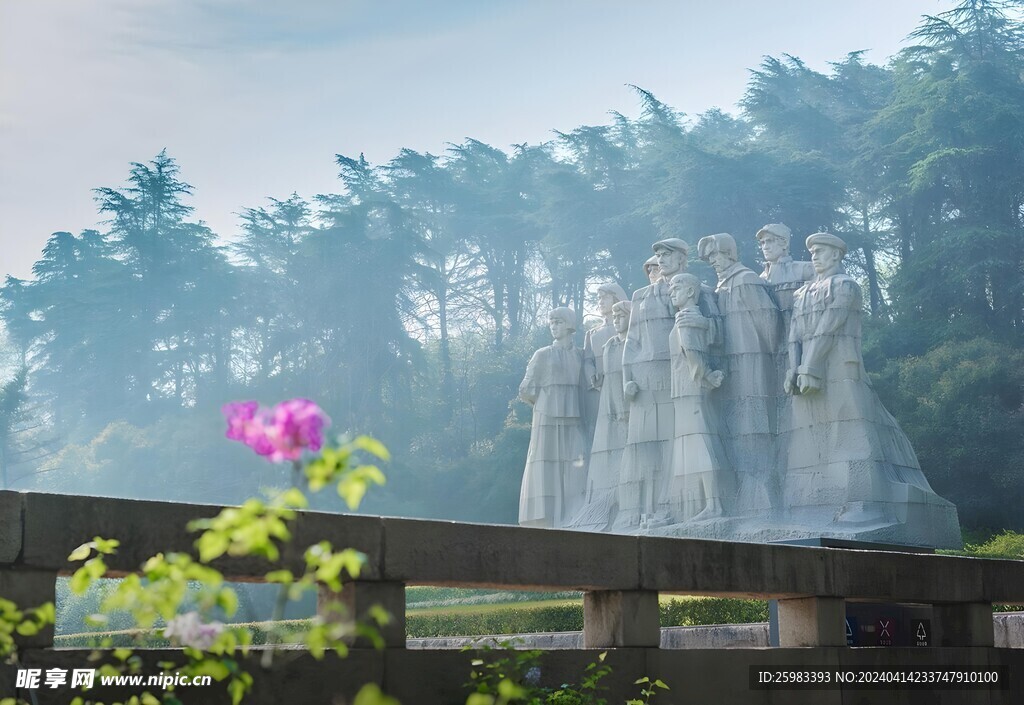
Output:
x=358 y=597
x=28 y=589
x=812 y=621
x=963 y=624
x=613 y=618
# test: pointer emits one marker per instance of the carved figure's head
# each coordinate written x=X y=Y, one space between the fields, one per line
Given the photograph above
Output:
x=562 y=323
x=652 y=270
x=827 y=252
x=718 y=250
x=620 y=316
x=683 y=290
x=774 y=241
x=608 y=295
x=671 y=254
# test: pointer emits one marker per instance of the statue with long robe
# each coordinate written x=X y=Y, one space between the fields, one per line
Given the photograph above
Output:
x=644 y=495
x=848 y=461
x=603 y=469
x=593 y=355
x=751 y=328
x=701 y=481
x=555 y=473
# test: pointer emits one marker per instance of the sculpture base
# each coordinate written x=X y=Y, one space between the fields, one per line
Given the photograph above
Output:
x=928 y=524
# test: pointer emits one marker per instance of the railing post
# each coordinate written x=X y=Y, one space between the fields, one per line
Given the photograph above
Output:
x=613 y=618
x=963 y=624
x=812 y=621
x=358 y=597
x=28 y=589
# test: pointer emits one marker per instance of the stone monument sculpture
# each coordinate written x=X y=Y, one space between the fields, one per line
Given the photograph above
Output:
x=703 y=429
x=748 y=400
x=652 y=270
x=644 y=498
x=553 y=481
x=701 y=480
x=593 y=345
x=849 y=466
x=601 y=498
x=783 y=274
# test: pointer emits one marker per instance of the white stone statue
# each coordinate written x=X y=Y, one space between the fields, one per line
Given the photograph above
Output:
x=652 y=270
x=748 y=399
x=701 y=482
x=697 y=430
x=644 y=498
x=555 y=474
x=593 y=344
x=849 y=465
x=601 y=500
x=782 y=273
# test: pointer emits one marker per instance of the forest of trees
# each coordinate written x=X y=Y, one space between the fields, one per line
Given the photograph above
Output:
x=408 y=303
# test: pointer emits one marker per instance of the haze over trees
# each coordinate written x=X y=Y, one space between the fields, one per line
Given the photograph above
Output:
x=407 y=303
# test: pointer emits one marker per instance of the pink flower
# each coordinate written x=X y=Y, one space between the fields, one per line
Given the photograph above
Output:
x=241 y=416
x=294 y=425
x=281 y=433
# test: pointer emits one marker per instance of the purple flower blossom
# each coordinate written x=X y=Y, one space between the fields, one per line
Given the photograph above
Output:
x=239 y=415
x=188 y=630
x=281 y=433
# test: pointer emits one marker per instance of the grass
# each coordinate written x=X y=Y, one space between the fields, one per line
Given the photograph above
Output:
x=439 y=612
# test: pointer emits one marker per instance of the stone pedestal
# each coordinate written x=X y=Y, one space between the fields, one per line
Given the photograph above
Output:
x=613 y=619
x=356 y=598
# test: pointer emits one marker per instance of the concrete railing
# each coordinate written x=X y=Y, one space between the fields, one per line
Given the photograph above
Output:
x=621 y=577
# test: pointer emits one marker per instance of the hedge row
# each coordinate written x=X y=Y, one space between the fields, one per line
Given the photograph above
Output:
x=569 y=618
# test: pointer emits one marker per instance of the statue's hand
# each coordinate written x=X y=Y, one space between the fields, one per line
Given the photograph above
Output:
x=789 y=385
x=691 y=319
x=631 y=389
x=530 y=399
x=807 y=383
x=715 y=378
x=595 y=381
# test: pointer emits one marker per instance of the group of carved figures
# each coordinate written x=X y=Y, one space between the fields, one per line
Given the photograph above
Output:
x=691 y=405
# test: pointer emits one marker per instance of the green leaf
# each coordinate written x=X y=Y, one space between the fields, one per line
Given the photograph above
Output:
x=27 y=628
x=280 y=576
x=661 y=684
x=371 y=694
x=480 y=699
x=46 y=613
x=372 y=446
x=82 y=552
x=294 y=498
x=106 y=546
x=212 y=545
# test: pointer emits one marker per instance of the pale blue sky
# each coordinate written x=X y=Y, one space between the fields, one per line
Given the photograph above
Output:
x=254 y=97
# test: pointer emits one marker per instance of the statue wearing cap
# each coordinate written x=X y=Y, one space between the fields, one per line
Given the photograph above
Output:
x=646 y=372
x=652 y=270
x=555 y=474
x=849 y=466
x=782 y=273
x=748 y=399
x=593 y=343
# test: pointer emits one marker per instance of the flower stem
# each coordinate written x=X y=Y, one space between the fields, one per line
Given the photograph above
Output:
x=275 y=619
